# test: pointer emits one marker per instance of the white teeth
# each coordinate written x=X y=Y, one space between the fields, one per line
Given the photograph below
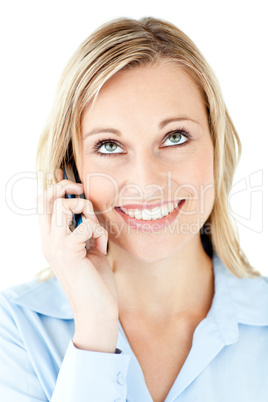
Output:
x=131 y=213
x=164 y=210
x=151 y=214
x=170 y=207
x=138 y=214
x=155 y=213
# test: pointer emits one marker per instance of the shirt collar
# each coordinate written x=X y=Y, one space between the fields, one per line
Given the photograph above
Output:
x=249 y=297
x=236 y=300
x=44 y=297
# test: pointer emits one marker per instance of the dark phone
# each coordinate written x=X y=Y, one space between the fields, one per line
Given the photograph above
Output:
x=70 y=173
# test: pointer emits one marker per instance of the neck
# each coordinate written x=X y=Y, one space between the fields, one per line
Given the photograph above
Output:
x=181 y=286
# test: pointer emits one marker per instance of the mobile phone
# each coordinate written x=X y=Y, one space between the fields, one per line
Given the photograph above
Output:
x=70 y=173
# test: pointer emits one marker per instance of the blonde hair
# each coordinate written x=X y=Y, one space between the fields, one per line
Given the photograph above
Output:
x=127 y=43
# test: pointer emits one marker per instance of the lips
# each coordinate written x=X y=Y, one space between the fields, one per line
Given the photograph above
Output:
x=150 y=225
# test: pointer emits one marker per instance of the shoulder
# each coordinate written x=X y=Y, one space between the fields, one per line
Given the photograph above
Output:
x=43 y=297
x=249 y=296
x=35 y=331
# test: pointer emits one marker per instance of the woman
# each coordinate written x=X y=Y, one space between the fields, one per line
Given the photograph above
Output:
x=161 y=304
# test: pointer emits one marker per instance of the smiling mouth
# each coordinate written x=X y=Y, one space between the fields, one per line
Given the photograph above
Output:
x=153 y=214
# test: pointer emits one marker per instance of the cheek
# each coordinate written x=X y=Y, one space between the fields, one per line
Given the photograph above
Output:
x=101 y=189
x=204 y=180
x=195 y=180
x=195 y=169
x=204 y=170
x=200 y=166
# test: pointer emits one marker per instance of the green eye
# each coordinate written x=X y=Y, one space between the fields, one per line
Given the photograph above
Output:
x=107 y=147
x=176 y=139
x=110 y=148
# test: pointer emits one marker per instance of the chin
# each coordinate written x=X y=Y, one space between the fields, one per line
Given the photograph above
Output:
x=151 y=254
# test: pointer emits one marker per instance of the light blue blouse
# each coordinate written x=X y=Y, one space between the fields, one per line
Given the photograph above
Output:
x=228 y=360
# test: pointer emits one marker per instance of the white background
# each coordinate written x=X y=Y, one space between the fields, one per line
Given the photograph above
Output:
x=37 y=40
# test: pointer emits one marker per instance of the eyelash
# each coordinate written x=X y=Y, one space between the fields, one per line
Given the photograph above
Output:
x=185 y=133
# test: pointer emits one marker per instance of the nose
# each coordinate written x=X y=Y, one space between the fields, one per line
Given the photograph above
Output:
x=146 y=175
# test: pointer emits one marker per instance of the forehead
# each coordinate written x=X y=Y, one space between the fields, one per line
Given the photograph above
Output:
x=145 y=92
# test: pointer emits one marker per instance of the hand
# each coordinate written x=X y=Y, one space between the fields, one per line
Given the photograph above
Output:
x=85 y=275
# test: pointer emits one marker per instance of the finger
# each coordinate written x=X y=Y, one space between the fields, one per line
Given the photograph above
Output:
x=84 y=207
x=88 y=212
x=101 y=240
x=59 y=190
x=59 y=174
x=63 y=211
x=45 y=201
x=90 y=229
x=61 y=217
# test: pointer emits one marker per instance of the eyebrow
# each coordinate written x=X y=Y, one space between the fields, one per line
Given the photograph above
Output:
x=163 y=123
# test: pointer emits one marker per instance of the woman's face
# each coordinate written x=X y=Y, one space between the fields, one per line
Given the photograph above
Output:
x=158 y=149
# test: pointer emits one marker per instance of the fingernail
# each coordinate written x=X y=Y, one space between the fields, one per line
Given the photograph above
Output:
x=104 y=250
